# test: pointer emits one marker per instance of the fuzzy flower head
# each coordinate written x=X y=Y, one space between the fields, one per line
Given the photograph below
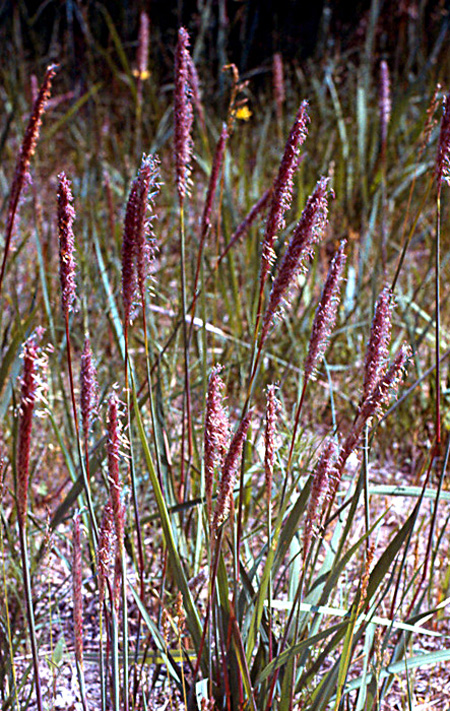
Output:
x=229 y=471
x=309 y=230
x=326 y=313
x=66 y=217
x=386 y=387
x=377 y=354
x=21 y=174
x=138 y=246
x=40 y=100
x=442 y=169
x=115 y=444
x=105 y=548
x=33 y=387
x=194 y=83
x=217 y=432
x=89 y=388
x=372 y=406
x=323 y=479
x=213 y=181
x=183 y=114
x=283 y=187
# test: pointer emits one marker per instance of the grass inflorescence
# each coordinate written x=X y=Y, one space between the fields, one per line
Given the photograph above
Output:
x=250 y=307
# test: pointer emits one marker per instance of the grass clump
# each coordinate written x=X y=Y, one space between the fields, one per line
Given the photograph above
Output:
x=243 y=353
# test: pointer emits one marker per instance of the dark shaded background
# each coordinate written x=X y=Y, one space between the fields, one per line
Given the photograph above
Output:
x=245 y=32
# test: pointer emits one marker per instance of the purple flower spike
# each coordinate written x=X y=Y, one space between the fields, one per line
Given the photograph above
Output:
x=183 y=114
x=66 y=217
x=443 y=154
x=89 y=388
x=283 y=186
x=217 y=432
x=326 y=313
x=229 y=471
x=138 y=247
x=308 y=231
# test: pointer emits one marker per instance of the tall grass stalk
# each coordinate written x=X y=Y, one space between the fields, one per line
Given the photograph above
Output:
x=66 y=217
x=14 y=693
x=137 y=256
x=29 y=394
x=183 y=118
x=27 y=149
x=78 y=608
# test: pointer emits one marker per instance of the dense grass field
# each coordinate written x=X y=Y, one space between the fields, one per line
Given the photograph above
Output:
x=224 y=380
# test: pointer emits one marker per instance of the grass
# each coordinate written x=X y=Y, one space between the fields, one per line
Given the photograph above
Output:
x=234 y=487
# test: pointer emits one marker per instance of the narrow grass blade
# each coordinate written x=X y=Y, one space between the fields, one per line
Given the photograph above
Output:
x=192 y=618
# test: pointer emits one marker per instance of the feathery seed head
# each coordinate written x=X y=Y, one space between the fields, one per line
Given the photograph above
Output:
x=21 y=174
x=194 y=83
x=373 y=405
x=183 y=113
x=229 y=470
x=387 y=385
x=138 y=246
x=31 y=385
x=217 y=432
x=282 y=189
x=442 y=169
x=31 y=136
x=89 y=388
x=326 y=313
x=115 y=440
x=431 y=120
x=323 y=477
x=105 y=548
x=66 y=217
x=377 y=354
x=308 y=231
x=272 y=406
x=213 y=180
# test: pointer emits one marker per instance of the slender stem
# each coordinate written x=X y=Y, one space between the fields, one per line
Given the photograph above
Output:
x=187 y=393
x=7 y=617
x=82 y=685
x=140 y=550
x=438 y=321
x=115 y=658
x=30 y=612
x=125 y=632
x=158 y=469
x=407 y=241
x=366 y=484
x=206 y=624
x=102 y=664
x=296 y=423
x=11 y=218
x=77 y=432
x=128 y=377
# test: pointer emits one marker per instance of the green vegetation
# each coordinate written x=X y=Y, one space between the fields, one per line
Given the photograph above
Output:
x=224 y=364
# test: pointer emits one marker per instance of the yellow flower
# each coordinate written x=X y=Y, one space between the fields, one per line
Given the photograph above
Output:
x=141 y=75
x=243 y=113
